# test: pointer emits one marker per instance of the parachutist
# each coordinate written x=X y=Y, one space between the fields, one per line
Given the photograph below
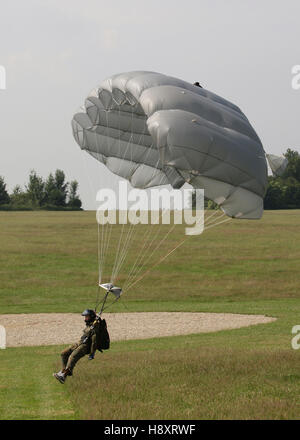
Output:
x=95 y=337
x=198 y=84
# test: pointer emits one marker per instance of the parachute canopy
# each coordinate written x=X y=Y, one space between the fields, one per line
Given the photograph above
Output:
x=153 y=129
x=277 y=164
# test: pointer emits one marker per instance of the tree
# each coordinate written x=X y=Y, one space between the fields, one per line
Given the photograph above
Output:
x=50 y=191
x=284 y=192
x=35 y=189
x=4 y=197
x=17 y=191
x=292 y=194
x=74 y=201
x=274 y=198
x=19 y=198
x=293 y=167
x=61 y=188
x=56 y=189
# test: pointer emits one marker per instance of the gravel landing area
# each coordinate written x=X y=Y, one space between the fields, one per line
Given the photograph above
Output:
x=66 y=328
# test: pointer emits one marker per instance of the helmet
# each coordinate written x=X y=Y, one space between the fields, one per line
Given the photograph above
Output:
x=89 y=312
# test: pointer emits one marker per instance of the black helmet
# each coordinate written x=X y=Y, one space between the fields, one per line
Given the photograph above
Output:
x=89 y=312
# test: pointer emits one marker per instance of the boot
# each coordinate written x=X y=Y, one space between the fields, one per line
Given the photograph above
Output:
x=60 y=376
x=67 y=372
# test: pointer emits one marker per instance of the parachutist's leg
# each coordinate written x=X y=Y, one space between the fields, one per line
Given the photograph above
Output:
x=74 y=357
x=69 y=357
x=65 y=354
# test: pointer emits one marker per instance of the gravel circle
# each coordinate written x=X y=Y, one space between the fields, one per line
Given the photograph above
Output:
x=66 y=328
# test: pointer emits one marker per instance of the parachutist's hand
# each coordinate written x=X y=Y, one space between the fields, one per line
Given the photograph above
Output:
x=91 y=357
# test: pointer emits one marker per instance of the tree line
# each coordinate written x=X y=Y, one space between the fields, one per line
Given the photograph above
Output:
x=53 y=193
x=284 y=192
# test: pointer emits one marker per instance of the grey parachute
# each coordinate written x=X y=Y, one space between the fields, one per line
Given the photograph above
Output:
x=277 y=164
x=153 y=129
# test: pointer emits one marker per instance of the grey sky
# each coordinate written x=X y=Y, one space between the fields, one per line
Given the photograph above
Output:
x=56 y=51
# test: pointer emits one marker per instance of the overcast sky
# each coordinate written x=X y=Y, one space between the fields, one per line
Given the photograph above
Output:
x=56 y=51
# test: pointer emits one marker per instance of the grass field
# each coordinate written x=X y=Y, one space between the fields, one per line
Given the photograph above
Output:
x=49 y=264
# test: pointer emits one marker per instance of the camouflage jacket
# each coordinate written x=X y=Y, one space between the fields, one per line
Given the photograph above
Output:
x=90 y=336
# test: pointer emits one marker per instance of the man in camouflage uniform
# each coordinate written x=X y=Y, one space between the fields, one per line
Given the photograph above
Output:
x=88 y=344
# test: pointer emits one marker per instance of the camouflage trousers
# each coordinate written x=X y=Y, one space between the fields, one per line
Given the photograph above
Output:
x=71 y=355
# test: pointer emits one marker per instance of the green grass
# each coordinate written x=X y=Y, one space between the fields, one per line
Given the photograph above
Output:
x=27 y=390
x=48 y=263
x=194 y=383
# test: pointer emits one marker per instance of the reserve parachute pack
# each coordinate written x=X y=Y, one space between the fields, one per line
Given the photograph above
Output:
x=104 y=339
